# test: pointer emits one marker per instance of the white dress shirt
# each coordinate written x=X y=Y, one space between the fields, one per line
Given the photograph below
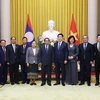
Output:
x=14 y=47
x=98 y=46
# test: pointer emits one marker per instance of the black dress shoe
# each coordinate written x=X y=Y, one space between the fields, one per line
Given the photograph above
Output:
x=49 y=84
x=17 y=82
x=27 y=82
x=81 y=84
x=89 y=84
x=42 y=84
x=57 y=84
x=63 y=84
x=1 y=83
x=12 y=83
x=96 y=84
x=23 y=82
x=34 y=84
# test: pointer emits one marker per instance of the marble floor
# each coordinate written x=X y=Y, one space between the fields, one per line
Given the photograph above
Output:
x=27 y=92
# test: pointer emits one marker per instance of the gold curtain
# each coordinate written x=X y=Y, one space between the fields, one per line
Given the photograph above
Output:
x=41 y=11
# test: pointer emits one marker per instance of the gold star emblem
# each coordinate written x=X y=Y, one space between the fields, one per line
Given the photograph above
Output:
x=73 y=34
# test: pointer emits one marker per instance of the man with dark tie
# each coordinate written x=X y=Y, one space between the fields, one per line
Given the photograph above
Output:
x=22 y=51
x=12 y=55
x=97 y=59
x=3 y=63
x=85 y=60
x=61 y=57
x=46 y=61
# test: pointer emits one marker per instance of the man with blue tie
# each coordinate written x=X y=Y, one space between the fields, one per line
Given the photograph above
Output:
x=61 y=57
x=12 y=56
x=3 y=63
x=46 y=61
x=85 y=60
x=22 y=51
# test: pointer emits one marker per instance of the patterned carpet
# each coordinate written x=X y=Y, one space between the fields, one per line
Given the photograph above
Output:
x=27 y=92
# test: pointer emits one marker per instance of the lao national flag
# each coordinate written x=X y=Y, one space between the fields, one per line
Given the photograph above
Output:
x=29 y=32
x=73 y=30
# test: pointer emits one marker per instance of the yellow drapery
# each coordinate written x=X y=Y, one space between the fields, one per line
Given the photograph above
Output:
x=41 y=11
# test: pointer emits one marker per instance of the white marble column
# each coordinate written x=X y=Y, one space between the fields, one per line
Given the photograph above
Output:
x=5 y=20
x=92 y=20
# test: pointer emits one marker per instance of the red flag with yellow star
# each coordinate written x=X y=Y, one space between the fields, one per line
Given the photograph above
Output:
x=73 y=30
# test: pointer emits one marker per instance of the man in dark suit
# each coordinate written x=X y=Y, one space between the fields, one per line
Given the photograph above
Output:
x=3 y=63
x=22 y=51
x=85 y=60
x=12 y=56
x=61 y=57
x=97 y=59
x=46 y=60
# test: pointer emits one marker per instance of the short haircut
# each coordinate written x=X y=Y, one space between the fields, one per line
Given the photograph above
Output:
x=60 y=34
x=70 y=38
x=24 y=38
x=46 y=38
x=12 y=38
x=2 y=40
x=98 y=35
x=85 y=35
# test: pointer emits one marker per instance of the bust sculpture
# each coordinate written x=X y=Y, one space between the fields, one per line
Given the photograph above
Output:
x=51 y=33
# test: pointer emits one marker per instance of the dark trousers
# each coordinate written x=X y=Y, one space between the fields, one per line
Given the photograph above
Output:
x=85 y=71
x=58 y=67
x=24 y=72
x=14 y=72
x=3 y=73
x=97 y=69
x=46 y=69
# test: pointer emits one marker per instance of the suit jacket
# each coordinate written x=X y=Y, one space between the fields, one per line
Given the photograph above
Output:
x=46 y=58
x=2 y=56
x=62 y=53
x=86 y=54
x=11 y=56
x=96 y=52
x=23 y=53
x=30 y=57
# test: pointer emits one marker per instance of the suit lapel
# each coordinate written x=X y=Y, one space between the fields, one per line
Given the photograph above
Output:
x=12 y=48
x=87 y=47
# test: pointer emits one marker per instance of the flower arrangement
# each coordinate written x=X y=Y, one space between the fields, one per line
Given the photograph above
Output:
x=41 y=41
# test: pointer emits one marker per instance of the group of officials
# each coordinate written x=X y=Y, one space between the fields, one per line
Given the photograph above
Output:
x=64 y=56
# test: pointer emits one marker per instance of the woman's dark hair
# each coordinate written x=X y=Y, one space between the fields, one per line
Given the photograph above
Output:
x=70 y=38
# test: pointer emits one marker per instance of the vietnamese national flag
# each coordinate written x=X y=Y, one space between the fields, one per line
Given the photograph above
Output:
x=29 y=32
x=73 y=30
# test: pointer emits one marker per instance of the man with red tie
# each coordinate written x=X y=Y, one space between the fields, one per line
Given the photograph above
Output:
x=3 y=63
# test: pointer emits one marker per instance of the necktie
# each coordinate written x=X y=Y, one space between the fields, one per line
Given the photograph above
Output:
x=47 y=48
x=14 y=47
x=84 y=46
x=24 y=46
x=58 y=45
x=4 y=50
